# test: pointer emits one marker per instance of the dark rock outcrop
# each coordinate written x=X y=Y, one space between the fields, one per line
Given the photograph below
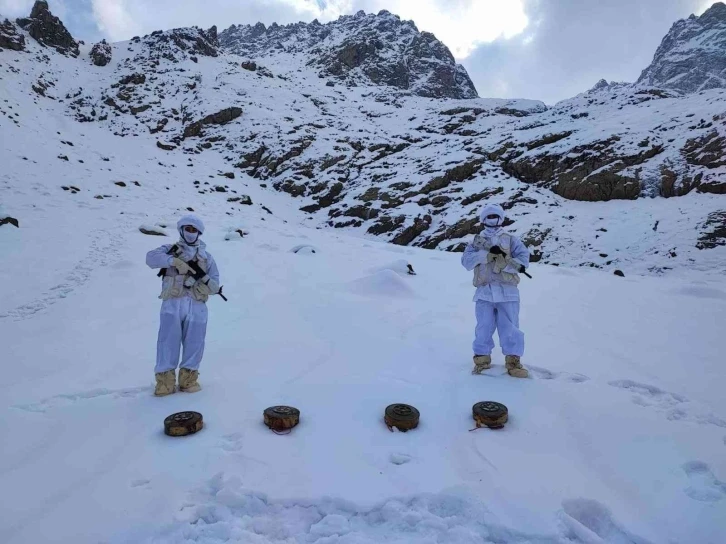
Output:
x=48 y=30
x=594 y=172
x=184 y=42
x=101 y=53
x=713 y=231
x=10 y=38
x=220 y=118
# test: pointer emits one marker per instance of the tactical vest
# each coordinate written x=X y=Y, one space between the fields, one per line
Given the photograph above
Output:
x=172 y=283
x=493 y=270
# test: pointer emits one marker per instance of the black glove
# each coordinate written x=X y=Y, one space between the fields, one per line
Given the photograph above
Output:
x=522 y=269
x=496 y=250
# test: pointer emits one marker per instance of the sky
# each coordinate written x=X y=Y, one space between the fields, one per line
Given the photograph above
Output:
x=541 y=49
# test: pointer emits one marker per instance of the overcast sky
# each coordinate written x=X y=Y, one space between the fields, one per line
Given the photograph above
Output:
x=543 y=49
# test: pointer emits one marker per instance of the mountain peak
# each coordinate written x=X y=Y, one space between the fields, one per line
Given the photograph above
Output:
x=716 y=11
x=692 y=56
x=362 y=49
x=48 y=30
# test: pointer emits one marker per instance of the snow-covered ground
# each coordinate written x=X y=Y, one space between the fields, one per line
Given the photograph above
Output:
x=620 y=435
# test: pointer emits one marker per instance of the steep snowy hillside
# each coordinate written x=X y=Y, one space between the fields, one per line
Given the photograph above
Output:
x=692 y=56
x=374 y=157
x=619 y=437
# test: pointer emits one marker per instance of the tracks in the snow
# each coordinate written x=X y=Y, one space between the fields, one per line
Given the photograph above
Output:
x=103 y=250
x=67 y=399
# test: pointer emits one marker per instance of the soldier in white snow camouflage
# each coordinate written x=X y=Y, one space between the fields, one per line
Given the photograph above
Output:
x=183 y=321
x=497 y=258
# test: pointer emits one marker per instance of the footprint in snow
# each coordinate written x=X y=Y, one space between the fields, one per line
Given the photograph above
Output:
x=69 y=399
x=231 y=442
x=540 y=373
x=676 y=407
x=704 y=486
x=588 y=520
x=400 y=458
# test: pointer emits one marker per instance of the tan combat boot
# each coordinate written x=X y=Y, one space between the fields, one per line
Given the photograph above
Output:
x=481 y=363
x=165 y=383
x=188 y=380
x=514 y=367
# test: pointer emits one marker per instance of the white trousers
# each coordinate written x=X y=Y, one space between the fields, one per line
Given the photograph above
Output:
x=183 y=323
x=502 y=317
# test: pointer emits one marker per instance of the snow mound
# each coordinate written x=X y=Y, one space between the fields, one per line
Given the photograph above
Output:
x=235 y=234
x=304 y=249
x=225 y=511
x=400 y=266
x=385 y=283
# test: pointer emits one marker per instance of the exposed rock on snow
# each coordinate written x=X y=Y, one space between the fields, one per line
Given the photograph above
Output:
x=153 y=230
x=362 y=49
x=10 y=38
x=220 y=118
x=381 y=160
x=48 y=30
x=692 y=56
x=235 y=233
x=101 y=53
x=183 y=43
x=713 y=231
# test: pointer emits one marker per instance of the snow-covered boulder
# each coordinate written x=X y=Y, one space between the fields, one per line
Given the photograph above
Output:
x=304 y=249
x=235 y=234
x=153 y=230
x=101 y=53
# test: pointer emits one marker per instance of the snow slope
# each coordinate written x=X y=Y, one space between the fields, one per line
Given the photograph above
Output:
x=377 y=161
x=618 y=437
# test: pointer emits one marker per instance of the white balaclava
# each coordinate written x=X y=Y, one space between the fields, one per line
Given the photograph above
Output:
x=492 y=226
x=188 y=237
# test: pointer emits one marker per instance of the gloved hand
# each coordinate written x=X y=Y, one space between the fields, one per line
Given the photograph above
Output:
x=213 y=286
x=522 y=269
x=496 y=250
x=181 y=266
x=202 y=289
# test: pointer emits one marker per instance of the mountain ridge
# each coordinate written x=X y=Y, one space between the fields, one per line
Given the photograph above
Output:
x=380 y=160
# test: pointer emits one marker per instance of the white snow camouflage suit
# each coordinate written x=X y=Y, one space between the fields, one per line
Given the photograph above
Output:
x=496 y=279
x=183 y=320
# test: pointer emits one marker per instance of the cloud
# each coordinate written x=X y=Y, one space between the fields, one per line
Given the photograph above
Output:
x=460 y=24
x=570 y=44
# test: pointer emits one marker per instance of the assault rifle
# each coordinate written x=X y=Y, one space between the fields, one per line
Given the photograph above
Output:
x=197 y=274
x=481 y=245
